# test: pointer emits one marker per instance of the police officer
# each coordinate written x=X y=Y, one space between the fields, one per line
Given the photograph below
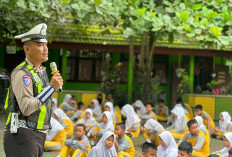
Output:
x=30 y=96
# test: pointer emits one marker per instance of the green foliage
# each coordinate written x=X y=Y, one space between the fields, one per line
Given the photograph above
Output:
x=212 y=84
x=183 y=87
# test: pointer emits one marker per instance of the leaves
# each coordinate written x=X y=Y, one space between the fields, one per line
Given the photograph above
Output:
x=184 y=16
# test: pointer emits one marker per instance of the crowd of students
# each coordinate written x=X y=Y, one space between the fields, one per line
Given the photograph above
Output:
x=98 y=131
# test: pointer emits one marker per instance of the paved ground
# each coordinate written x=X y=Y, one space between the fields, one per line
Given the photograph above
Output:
x=214 y=145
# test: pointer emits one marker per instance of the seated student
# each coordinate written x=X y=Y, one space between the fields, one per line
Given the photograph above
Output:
x=106 y=125
x=55 y=137
x=207 y=120
x=109 y=107
x=68 y=105
x=185 y=149
x=123 y=143
x=149 y=114
x=228 y=145
x=161 y=111
x=132 y=120
x=80 y=112
x=105 y=147
x=88 y=120
x=167 y=147
x=149 y=150
x=197 y=138
x=179 y=127
x=202 y=127
x=64 y=120
x=96 y=109
x=151 y=131
x=139 y=107
x=78 y=145
x=224 y=125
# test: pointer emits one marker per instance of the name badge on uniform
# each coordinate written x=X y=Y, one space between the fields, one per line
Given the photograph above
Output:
x=27 y=80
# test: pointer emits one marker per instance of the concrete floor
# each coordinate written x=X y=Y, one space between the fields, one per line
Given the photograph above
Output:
x=214 y=145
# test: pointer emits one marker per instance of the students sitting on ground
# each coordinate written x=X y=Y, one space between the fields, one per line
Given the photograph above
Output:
x=167 y=147
x=224 y=125
x=228 y=145
x=64 y=120
x=197 y=138
x=149 y=114
x=80 y=113
x=149 y=150
x=132 y=121
x=151 y=131
x=161 y=110
x=185 y=149
x=202 y=127
x=105 y=147
x=78 y=145
x=123 y=143
x=207 y=119
x=55 y=137
x=179 y=126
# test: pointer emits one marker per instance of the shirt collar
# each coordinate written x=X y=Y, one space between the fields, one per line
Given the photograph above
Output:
x=41 y=68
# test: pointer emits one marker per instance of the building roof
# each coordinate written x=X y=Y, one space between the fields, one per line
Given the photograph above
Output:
x=76 y=33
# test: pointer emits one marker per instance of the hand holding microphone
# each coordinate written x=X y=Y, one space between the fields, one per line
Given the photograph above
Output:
x=56 y=81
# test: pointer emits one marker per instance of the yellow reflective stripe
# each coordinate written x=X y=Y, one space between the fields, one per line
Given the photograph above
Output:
x=8 y=118
x=42 y=116
x=22 y=64
x=36 y=78
x=7 y=97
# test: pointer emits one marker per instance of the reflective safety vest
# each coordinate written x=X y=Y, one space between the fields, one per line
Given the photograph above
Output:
x=39 y=119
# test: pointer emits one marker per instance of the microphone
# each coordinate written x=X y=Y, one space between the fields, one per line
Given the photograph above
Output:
x=54 y=70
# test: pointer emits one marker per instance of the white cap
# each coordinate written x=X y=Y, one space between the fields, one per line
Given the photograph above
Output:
x=38 y=33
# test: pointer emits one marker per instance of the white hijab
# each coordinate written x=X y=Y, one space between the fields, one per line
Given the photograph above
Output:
x=110 y=105
x=61 y=115
x=139 y=103
x=131 y=117
x=100 y=149
x=85 y=121
x=56 y=126
x=152 y=124
x=227 y=121
x=66 y=98
x=109 y=124
x=171 y=148
x=200 y=123
x=180 y=105
x=229 y=138
x=55 y=102
x=179 y=111
x=97 y=109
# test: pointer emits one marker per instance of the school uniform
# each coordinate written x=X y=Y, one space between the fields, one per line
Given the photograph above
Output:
x=110 y=105
x=202 y=127
x=89 y=123
x=74 y=148
x=179 y=127
x=161 y=115
x=126 y=148
x=154 y=128
x=132 y=120
x=139 y=103
x=100 y=149
x=171 y=149
x=224 y=152
x=205 y=117
x=97 y=109
x=146 y=116
x=55 y=137
x=78 y=115
x=199 y=142
x=64 y=121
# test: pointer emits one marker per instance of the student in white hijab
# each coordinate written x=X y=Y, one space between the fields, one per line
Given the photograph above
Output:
x=56 y=136
x=228 y=145
x=88 y=120
x=109 y=107
x=224 y=125
x=105 y=147
x=139 y=107
x=179 y=127
x=167 y=147
x=96 y=108
x=202 y=127
x=67 y=104
x=152 y=131
x=54 y=104
x=64 y=121
x=132 y=120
